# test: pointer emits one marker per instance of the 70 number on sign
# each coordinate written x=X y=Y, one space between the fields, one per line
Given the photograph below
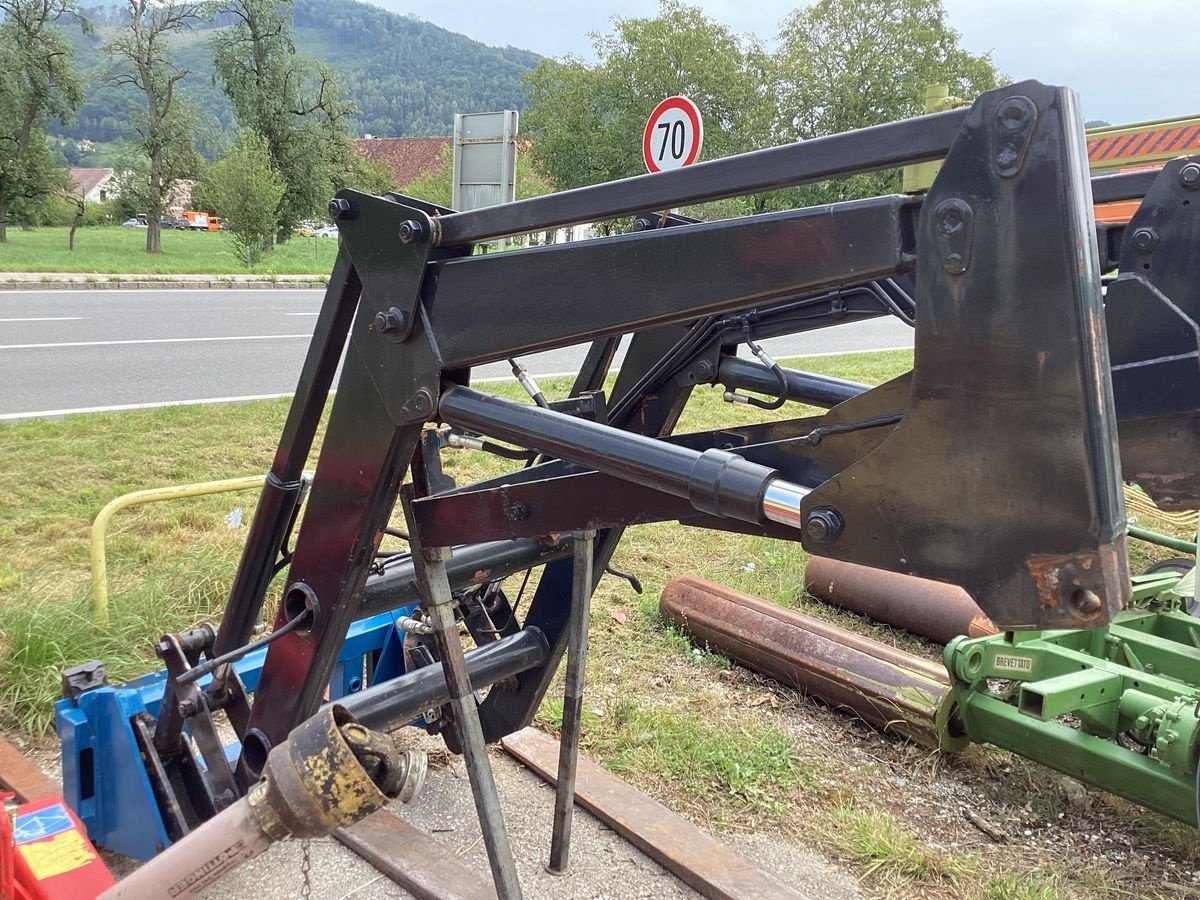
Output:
x=673 y=136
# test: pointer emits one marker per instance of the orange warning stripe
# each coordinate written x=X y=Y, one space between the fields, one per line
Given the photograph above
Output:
x=1149 y=142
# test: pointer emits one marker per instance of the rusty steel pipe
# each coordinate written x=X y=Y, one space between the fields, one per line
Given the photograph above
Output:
x=931 y=609
x=894 y=691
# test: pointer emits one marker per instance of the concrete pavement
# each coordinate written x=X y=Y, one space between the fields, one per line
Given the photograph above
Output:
x=603 y=864
x=67 y=351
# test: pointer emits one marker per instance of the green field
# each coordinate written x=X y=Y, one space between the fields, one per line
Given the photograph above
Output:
x=115 y=250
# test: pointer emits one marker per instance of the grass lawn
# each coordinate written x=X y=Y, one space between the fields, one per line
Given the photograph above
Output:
x=723 y=746
x=115 y=250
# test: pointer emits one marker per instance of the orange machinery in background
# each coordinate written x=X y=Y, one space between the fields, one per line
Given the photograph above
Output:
x=202 y=221
x=1144 y=145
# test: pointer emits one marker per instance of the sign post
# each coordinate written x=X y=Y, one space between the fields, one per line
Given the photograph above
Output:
x=674 y=135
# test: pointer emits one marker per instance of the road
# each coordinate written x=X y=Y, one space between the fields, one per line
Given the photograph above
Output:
x=65 y=352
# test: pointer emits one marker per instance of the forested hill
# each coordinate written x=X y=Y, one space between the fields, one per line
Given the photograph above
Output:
x=407 y=77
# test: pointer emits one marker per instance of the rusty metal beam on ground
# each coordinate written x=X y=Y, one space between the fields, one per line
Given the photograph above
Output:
x=896 y=692
x=934 y=610
x=707 y=865
x=412 y=859
x=22 y=777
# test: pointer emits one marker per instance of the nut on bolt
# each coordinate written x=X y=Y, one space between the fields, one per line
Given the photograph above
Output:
x=411 y=232
x=390 y=321
x=1189 y=176
x=1145 y=239
x=518 y=511
x=824 y=525
x=340 y=208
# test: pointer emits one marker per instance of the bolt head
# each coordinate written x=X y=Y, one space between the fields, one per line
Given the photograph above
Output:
x=411 y=232
x=390 y=321
x=951 y=220
x=422 y=402
x=1015 y=113
x=824 y=525
x=1189 y=176
x=340 y=208
x=518 y=511
x=1145 y=239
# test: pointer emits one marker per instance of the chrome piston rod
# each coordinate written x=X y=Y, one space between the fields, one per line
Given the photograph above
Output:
x=715 y=482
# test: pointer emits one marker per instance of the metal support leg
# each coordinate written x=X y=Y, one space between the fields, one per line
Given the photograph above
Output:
x=568 y=754
x=437 y=599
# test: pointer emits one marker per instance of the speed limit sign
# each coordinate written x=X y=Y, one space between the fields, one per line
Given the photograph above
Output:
x=674 y=135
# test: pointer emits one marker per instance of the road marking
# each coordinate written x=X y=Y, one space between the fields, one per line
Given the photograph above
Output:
x=191 y=340
x=47 y=319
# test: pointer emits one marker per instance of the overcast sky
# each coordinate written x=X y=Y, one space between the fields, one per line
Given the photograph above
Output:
x=1130 y=60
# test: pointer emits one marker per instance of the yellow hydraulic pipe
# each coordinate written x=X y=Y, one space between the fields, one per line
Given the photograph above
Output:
x=138 y=498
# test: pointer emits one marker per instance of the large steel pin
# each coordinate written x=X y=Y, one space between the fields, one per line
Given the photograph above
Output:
x=568 y=754
x=433 y=586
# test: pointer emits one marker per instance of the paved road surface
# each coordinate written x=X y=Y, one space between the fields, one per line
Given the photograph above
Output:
x=78 y=351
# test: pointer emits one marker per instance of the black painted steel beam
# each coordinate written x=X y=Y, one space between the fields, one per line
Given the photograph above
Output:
x=878 y=147
x=486 y=308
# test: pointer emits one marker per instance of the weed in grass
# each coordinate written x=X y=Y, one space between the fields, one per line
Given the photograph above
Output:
x=1039 y=886
x=38 y=639
x=9 y=577
x=757 y=767
x=700 y=656
x=888 y=850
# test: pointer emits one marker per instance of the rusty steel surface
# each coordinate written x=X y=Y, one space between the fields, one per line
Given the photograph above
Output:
x=932 y=609
x=22 y=777
x=704 y=863
x=894 y=691
x=413 y=860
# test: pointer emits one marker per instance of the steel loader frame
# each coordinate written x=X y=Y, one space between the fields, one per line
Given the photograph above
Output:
x=1009 y=407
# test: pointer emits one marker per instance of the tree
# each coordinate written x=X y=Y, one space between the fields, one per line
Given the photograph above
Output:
x=840 y=65
x=245 y=190
x=162 y=127
x=369 y=176
x=846 y=64
x=37 y=83
x=298 y=106
x=78 y=210
x=586 y=120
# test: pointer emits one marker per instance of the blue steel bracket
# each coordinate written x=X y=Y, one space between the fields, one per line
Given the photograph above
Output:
x=104 y=774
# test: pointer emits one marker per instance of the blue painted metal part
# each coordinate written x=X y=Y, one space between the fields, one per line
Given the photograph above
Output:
x=104 y=778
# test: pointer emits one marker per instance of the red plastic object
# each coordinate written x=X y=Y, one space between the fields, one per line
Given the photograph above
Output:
x=7 y=850
x=49 y=855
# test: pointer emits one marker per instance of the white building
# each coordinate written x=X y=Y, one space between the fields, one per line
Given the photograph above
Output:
x=93 y=185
